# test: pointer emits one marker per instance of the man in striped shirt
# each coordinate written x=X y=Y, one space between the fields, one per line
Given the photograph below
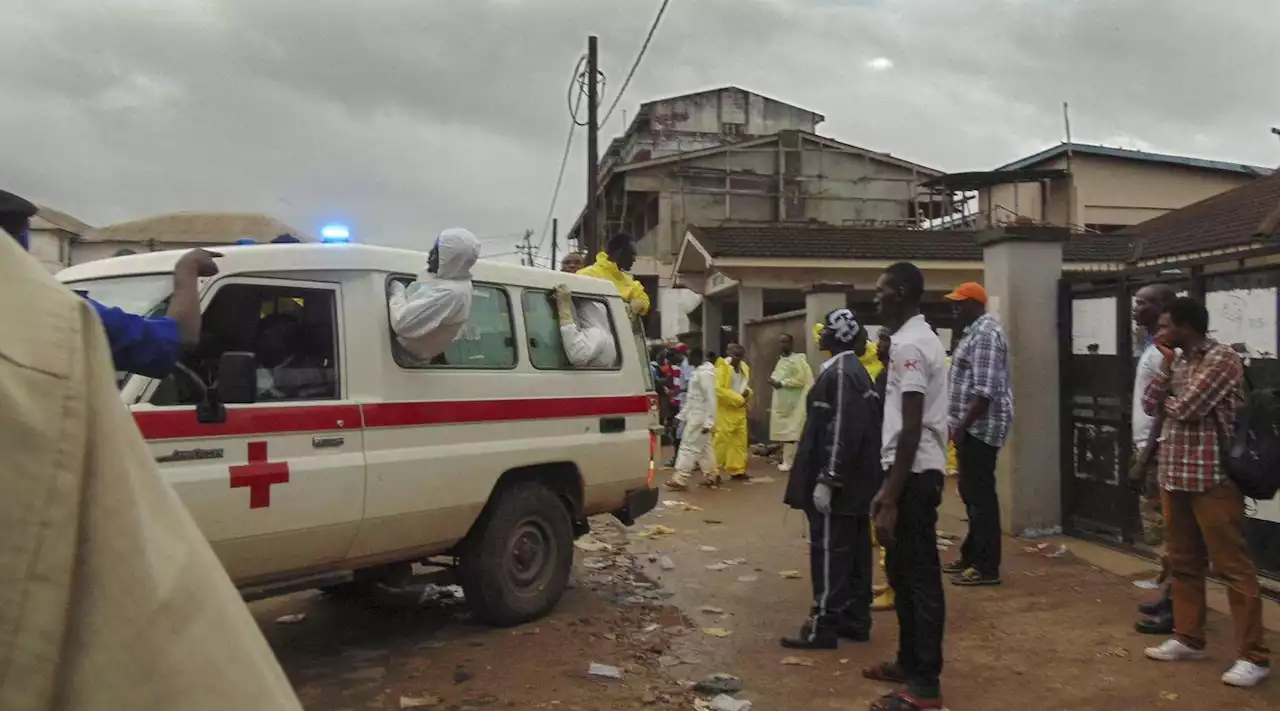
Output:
x=980 y=411
x=1197 y=392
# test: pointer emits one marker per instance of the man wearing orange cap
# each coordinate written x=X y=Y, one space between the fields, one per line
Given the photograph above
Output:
x=980 y=410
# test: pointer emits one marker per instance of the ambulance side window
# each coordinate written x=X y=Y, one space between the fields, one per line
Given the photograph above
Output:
x=291 y=330
x=486 y=341
x=542 y=325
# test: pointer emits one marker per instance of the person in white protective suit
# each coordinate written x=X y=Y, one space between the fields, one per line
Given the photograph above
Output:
x=584 y=330
x=428 y=314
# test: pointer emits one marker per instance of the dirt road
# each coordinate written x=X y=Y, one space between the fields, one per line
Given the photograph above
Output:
x=1056 y=636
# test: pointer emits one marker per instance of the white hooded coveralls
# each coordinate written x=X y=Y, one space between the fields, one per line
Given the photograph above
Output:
x=428 y=314
x=588 y=343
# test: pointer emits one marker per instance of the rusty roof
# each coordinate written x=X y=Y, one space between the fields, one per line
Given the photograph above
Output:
x=784 y=241
x=1237 y=218
x=197 y=228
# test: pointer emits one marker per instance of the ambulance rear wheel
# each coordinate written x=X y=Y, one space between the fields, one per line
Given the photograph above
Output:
x=516 y=566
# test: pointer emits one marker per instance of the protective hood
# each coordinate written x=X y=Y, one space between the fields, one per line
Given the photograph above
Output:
x=459 y=251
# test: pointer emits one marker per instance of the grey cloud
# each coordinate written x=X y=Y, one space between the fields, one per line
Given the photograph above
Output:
x=405 y=117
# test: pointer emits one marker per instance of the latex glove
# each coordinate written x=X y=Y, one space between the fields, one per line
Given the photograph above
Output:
x=564 y=304
x=822 y=498
x=633 y=310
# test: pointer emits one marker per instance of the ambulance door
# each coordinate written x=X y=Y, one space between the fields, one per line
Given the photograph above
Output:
x=278 y=488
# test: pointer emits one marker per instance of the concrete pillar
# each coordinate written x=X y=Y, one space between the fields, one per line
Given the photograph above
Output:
x=820 y=300
x=750 y=307
x=712 y=319
x=1021 y=267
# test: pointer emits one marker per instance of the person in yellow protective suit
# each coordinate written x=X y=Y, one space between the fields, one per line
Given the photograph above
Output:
x=733 y=391
x=613 y=264
x=791 y=380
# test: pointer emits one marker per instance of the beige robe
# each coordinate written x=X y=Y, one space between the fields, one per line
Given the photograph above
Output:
x=110 y=597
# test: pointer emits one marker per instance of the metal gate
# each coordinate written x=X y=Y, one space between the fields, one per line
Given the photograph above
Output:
x=1098 y=352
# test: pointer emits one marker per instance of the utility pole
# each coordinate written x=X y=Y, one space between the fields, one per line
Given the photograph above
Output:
x=555 y=237
x=526 y=249
x=590 y=229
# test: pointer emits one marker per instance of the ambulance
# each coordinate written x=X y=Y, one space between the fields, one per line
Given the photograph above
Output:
x=314 y=451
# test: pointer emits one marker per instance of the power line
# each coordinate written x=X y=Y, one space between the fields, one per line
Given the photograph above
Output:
x=636 y=64
x=576 y=80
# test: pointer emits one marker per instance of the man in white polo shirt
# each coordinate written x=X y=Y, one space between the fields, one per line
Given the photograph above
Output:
x=914 y=454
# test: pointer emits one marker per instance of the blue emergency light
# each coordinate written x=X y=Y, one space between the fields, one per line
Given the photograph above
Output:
x=335 y=234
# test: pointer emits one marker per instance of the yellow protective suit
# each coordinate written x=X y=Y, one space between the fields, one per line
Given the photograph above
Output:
x=731 y=420
x=953 y=464
x=631 y=290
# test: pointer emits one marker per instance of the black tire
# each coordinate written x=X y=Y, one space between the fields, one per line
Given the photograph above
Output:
x=514 y=568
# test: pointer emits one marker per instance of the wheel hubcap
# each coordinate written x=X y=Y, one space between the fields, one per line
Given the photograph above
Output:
x=530 y=554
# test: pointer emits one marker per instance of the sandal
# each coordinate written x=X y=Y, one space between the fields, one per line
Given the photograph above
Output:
x=903 y=701
x=886 y=672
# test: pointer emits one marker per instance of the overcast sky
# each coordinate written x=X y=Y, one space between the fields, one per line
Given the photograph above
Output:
x=402 y=117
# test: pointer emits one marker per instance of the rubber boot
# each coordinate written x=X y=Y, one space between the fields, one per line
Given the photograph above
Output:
x=815 y=633
x=564 y=305
x=1159 y=607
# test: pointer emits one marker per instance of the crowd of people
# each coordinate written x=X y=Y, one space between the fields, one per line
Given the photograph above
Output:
x=866 y=440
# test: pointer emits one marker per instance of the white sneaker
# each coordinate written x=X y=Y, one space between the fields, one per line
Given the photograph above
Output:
x=1245 y=673
x=1174 y=651
x=784 y=468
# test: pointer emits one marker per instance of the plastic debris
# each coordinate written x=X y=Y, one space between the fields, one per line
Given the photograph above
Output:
x=656 y=529
x=708 y=549
x=419 y=702
x=1057 y=552
x=666 y=563
x=1146 y=584
x=604 y=671
x=719 y=683
x=797 y=661
x=591 y=545
x=724 y=702
x=716 y=566
x=1168 y=696
x=790 y=574
x=747 y=578
x=708 y=609
x=716 y=632
x=736 y=561
x=291 y=619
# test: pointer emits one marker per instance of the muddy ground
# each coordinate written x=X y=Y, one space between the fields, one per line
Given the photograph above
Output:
x=707 y=585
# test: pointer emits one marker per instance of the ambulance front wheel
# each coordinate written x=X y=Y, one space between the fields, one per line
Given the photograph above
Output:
x=516 y=566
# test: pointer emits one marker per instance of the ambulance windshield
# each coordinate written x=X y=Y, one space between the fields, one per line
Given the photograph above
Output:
x=145 y=295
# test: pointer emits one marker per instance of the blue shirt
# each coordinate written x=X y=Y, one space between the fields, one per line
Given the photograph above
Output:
x=146 y=346
x=980 y=366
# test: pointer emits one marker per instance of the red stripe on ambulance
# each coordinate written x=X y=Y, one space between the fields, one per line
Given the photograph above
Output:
x=257 y=421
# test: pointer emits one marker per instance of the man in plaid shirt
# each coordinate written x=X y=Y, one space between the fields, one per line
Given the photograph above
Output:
x=980 y=410
x=1197 y=391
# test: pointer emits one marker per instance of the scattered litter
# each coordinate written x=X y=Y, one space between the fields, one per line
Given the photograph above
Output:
x=591 y=545
x=711 y=610
x=1146 y=584
x=1057 y=552
x=656 y=529
x=712 y=520
x=724 y=702
x=667 y=661
x=716 y=566
x=716 y=632
x=666 y=563
x=747 y=578
x=597 y=564
x=708 y=549
x=291 y=619
x=650 y=628
x=797 y=661
x=790 y=574
x=736 y=561
x=1030 y=549
x=682 y=505
x=1168 y=696
x=419 y=702
x=1119 y=652
x=611 y=636
x=719 y=683
x=759 y=480
x=1033 y=573
x=604 y=671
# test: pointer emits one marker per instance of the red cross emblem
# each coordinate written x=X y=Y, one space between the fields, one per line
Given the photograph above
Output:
x=258 y=475
x=911 y=365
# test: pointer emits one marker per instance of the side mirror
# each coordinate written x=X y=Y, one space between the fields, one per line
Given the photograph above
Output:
x=237 y=378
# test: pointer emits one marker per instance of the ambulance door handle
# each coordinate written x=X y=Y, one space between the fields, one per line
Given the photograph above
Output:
x=322 y=442
x=610 y=425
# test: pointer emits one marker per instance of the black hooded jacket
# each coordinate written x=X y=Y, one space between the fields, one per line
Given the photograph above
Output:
x=840 y=444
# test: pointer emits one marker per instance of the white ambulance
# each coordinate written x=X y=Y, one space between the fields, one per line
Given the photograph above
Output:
x=327 y=456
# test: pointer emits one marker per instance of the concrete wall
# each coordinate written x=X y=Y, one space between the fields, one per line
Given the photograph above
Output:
x=697 y=121
x=52 y=248
x=1111 y=191
x=761 y=342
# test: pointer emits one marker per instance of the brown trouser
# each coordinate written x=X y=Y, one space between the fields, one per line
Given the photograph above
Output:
x=1207 y=527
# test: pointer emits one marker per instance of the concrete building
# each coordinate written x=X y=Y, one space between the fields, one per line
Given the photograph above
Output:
x=1089 y=188
x=732 y=157
x=181 y=230
x=54 y=237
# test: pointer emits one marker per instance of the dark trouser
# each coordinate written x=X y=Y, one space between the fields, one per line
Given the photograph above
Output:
x=840 y=566
x=981 y=547
x=916 y=577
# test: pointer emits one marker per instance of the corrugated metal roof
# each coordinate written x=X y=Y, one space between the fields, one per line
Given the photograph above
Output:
x=1128 y=154
x=49 y=218
x=1236 y=218
x=197 y=228
x=784 y=241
